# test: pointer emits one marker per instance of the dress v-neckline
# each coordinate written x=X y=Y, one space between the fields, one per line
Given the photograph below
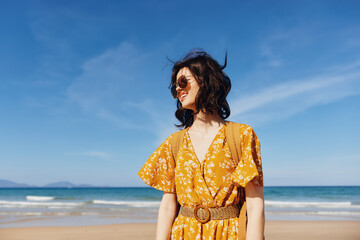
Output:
x=207 y=152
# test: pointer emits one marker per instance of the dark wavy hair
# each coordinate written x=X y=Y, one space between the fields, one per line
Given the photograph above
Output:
x=213 y=82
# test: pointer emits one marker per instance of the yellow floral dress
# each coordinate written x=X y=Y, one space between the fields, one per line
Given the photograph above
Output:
x=215 y=182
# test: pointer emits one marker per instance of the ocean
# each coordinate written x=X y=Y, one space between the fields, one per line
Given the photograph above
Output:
x=23 y=207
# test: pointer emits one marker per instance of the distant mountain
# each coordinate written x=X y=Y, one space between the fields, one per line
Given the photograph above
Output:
x=61 y=184
x=11 y=184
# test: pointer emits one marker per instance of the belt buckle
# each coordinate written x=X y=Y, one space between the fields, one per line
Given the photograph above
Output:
x=207 y=211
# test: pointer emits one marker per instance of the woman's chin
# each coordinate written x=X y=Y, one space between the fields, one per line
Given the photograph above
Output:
x=188 y=106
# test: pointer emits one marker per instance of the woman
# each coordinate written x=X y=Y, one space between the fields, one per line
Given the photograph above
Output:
x=203 y=175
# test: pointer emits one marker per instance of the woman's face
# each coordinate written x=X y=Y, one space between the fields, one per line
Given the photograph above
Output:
x=188 y=94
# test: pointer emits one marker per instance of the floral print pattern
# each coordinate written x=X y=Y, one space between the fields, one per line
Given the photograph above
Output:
x=215 y=182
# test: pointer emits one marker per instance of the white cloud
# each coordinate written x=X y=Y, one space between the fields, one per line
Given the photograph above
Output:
x=104 y=77
x=271 y=58
x=98 y=155
x=286 y=99
x=107 y=82
x=110 y=88
x=102 y=155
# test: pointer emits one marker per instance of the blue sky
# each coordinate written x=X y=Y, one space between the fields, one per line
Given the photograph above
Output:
x=84 y=98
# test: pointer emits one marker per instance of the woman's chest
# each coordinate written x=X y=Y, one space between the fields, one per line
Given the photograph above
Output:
x=207 y=182
x=217 y=165
x=201 y=144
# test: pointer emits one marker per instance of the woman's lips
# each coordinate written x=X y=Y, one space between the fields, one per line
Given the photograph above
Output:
x=182 y=97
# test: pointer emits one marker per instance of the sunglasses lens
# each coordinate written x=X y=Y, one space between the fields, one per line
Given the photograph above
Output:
x=173 y=91
x=182 y=81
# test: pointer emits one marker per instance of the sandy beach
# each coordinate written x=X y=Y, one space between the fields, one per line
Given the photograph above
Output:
x=274 y=230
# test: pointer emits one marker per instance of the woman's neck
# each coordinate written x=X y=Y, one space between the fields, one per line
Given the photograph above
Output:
x=207 y=120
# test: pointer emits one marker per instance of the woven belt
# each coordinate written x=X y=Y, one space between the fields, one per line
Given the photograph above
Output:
x=204 y=214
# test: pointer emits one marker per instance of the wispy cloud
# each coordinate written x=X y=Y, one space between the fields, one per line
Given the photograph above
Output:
x=107 y=81
x=108 y=88
x=103 y=155
x=93 y=155
x=104 y=77
x=286 y=99
x=99 y=155
x=267 y=52
x=272 y=48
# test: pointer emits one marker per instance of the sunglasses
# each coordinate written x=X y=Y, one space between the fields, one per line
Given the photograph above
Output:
x=182 y=82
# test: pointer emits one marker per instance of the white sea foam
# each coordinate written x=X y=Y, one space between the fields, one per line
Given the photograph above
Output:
x=37 y=204
x=130 y=203
x=39 y=198
x=310 y=204
x=47 y=213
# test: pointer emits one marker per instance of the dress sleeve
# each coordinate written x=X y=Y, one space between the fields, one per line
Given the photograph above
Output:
x=250 y=165
x=159 y=170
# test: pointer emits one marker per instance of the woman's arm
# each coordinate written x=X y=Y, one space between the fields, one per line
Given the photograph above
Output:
x=255 y=211
x=167 y=213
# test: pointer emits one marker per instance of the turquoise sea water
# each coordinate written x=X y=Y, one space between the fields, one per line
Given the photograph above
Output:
x=96 y=206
